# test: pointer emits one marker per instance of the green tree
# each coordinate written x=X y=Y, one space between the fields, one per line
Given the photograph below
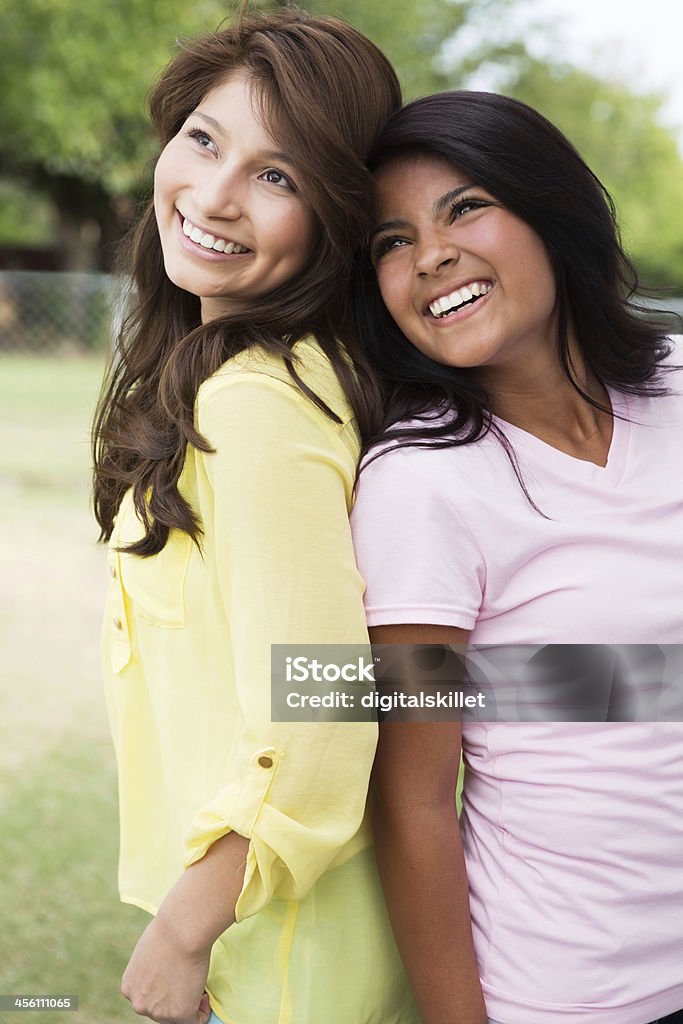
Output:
x=74 y=79
x=415 y=35
x=619 y=135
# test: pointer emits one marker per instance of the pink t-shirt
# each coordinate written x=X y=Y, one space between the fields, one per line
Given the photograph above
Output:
x=573 y=833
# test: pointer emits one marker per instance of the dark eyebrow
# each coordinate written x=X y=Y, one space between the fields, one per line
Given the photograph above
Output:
x=271 y=154
x=212 y=120
x=445 y=201
x=281 y=158
x=442 y=204
x=389 y=225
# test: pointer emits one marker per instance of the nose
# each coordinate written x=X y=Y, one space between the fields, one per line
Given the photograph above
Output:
x=434 y=254
x=220 y=193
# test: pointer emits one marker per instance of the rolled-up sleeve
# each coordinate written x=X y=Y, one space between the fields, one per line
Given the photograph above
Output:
x=280 y=481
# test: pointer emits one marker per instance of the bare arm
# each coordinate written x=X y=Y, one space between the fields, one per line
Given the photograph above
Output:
x=420 y=854
x=166 y=975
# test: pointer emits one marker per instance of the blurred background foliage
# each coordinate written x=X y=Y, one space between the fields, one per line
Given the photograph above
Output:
x=77 y=147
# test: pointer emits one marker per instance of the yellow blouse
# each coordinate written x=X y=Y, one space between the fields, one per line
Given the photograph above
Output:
x=187 y=638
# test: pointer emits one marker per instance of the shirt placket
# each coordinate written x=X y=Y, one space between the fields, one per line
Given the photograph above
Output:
x=119 y=629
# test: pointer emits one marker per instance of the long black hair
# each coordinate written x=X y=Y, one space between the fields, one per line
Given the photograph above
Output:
x=528 y=165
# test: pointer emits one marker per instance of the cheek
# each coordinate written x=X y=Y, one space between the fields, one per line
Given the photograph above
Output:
x=535 y=265
x=522 y=250
x=163 y=177
x=293 y=234
x=389 y=284
x=547 y=276
x=307 y=233
x=172 y=173
x=534 y=261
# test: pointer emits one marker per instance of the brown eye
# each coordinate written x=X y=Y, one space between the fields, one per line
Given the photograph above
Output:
x=201 y=138
x=275 y=177
x=385 y=245
x=463 y=206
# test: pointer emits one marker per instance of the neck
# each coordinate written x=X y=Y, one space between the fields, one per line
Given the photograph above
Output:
x=538 y=397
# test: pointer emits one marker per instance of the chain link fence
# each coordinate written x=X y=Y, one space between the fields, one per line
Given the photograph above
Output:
x=43 y=311
x=58 y=312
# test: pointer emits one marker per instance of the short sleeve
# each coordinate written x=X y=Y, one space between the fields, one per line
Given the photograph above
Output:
x=281 y=479
x=417 y=557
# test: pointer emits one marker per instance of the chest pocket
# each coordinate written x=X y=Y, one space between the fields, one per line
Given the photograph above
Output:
x=155 y=584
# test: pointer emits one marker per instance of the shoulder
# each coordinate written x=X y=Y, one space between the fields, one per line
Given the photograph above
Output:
x=443 y=466
x=674 y=366
x=675 y=357
x=265 y=372
x=441 y=493
x=671 y=367
x=254 y=403
x=663 y=411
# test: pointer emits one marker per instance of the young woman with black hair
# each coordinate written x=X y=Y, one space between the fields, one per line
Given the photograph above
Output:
x=226 y=444
x=527 y=488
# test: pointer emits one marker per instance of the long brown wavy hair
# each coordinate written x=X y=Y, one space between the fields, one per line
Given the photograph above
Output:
x=328 y=91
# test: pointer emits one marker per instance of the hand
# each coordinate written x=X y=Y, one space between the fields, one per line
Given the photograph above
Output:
x=164 y=981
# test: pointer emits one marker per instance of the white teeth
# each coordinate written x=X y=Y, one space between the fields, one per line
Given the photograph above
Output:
x=456 y=299
x=208 y=241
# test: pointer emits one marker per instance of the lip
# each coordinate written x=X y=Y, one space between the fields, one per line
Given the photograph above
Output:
x=461 y=313
x=206 y=254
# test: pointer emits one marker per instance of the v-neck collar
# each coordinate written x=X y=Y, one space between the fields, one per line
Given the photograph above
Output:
x=569 y=466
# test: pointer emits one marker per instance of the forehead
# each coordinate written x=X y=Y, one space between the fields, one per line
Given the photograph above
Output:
x=414 y=181
x=242 y=108
x=231 y=94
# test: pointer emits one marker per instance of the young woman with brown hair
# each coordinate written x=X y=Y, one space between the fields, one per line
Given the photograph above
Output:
x=226 y=443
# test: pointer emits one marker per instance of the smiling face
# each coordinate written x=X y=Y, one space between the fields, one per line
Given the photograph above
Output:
x=467 y=282
x=232 y=221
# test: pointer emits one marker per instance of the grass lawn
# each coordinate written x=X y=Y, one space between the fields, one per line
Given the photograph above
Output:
x=45 y=408
x=64 y=929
